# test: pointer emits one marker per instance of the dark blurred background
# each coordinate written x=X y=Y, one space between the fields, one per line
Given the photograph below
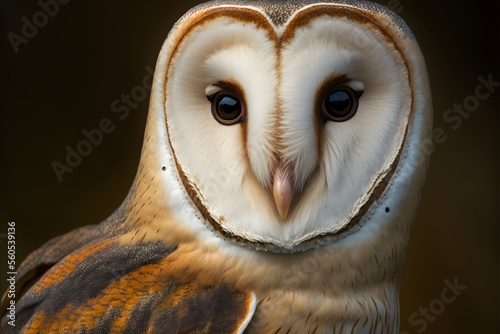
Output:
x=64 y=78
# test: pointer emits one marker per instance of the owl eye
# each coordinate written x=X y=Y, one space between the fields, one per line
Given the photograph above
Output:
x=227 y=107
x=340 y=104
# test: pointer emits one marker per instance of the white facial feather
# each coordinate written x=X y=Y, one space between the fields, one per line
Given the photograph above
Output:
x=211 y=153
x=358 y=152
x=240 y=64
x=335 y=170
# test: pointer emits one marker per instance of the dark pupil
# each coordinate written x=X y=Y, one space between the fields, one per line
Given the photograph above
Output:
x=338 y=104
x=228 y=108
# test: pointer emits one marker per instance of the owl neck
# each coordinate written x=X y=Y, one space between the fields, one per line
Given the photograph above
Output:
x=374 y=310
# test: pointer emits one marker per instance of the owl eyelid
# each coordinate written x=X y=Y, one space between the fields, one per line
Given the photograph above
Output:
x=229 y=86
x=212 y=97
x=212 y=90
x=355 y=85
x=335 y=81
x=330 y=89
x=358 y=93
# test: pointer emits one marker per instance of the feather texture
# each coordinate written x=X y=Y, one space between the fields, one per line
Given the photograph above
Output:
x=199 y=244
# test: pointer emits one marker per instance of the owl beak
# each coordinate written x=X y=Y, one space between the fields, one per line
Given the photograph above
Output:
x=283 y=190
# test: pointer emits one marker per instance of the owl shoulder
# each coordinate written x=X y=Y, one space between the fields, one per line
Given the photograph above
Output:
x=91 y=280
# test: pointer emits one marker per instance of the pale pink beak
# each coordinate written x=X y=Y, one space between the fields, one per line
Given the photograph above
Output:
x=283 y=190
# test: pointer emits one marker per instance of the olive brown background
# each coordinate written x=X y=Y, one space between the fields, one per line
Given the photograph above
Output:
x=63 y=80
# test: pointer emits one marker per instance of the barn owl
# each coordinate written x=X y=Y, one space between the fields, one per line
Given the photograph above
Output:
x=278 y=181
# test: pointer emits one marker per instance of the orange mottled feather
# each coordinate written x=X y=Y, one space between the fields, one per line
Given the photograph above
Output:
x=112 y=286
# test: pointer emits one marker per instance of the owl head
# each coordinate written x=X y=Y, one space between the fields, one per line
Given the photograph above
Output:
x=283 y=126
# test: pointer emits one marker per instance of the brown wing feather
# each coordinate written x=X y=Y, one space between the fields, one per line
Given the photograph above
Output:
x=41 y=260
x=110 y=287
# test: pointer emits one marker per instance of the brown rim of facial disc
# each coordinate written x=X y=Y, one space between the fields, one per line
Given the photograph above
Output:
x=303 y=18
